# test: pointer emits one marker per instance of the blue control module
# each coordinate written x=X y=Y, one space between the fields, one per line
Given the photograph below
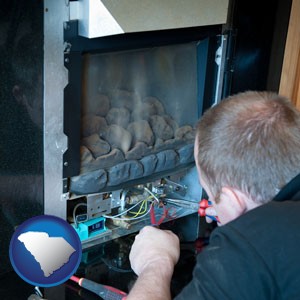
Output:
x=90 y=228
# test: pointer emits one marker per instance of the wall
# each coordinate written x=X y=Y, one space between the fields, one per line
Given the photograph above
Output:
x=290 y=77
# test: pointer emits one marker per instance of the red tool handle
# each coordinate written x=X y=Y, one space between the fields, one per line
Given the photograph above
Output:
x=116 y=291
x=203 y=205
x=104 y=291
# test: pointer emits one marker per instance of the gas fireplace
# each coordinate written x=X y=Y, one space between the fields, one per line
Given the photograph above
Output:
x=130 y=104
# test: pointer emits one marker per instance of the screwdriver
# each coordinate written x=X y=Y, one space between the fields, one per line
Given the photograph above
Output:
x=200 y=206
x=183 y=203
x=203 y=205
x=104 y=291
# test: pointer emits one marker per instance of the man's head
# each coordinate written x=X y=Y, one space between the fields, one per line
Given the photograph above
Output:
x=247 y=149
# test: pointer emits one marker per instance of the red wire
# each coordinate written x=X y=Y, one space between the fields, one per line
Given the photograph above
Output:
x=152 y=215
x=75 y=279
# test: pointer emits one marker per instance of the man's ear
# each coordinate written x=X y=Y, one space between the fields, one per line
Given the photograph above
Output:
x=233 y=202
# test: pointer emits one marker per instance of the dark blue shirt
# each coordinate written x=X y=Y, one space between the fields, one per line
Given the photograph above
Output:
x=256 y=256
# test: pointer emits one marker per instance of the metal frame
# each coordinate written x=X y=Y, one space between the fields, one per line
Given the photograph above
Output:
x=220 y=60
x=55 y=80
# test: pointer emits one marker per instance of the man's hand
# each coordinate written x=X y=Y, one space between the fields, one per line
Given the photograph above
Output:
x=153 y=256
x=154 y=247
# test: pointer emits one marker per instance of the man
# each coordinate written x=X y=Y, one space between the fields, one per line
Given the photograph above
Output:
x=247 y=148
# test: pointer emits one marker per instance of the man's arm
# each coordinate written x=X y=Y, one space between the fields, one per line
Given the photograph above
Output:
x=153 y=257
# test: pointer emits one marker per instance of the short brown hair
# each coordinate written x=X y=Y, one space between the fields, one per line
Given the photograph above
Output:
x=250 y=141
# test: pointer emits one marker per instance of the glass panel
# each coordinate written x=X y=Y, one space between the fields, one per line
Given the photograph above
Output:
x=139 y=108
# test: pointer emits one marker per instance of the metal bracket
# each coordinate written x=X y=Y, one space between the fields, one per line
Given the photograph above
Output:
x=220 y=59
x=97 y=205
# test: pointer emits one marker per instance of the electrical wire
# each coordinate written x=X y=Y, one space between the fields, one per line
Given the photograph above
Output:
x=147 y=190
x=116 y=217
x=140 y=212
x=125 y=211
x=74 y=212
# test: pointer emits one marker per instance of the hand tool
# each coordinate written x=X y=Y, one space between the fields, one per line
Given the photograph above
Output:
x=104 y=291
x=197 y=206
x=203 y=205
x=182 y=203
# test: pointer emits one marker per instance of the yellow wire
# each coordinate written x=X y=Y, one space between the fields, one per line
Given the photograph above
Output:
x=144 y=203
x=139 y=211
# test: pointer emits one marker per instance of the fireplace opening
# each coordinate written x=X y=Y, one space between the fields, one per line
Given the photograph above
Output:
x=138 y=113
x=137 y=108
